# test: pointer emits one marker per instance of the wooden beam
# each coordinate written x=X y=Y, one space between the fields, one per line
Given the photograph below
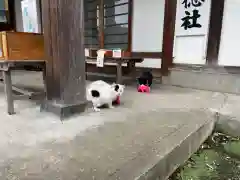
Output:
x=63 y=24
x=111 y=70
x=40 y=11
x=152 y=55
x=168 y=35
x=130 y=24
x=101 y=23
x=214 y=32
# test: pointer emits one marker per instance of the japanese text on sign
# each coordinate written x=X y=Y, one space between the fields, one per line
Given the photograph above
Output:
x=190 y=20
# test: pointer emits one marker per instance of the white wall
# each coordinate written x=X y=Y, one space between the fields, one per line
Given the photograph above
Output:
x=147 y=32
x=230 y=38
x=190 y=45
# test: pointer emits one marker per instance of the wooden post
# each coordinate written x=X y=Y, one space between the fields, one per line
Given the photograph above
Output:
x=63 y=26
x=215 y=31
x=101 y=23
x=168 y=35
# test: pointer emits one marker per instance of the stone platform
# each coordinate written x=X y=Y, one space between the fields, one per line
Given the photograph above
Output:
x=147 y=137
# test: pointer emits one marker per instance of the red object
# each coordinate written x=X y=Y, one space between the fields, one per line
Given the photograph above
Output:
x=143 y=88
x=117 y=101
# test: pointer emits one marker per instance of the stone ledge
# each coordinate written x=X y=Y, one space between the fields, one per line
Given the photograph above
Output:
x=180 y=153
x=228 y=125
x=226 y=83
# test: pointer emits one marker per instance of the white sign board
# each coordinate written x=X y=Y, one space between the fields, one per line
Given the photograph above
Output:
x=191 y=31
x=30 y=16
x=86 y=51
x=100 y=58
x=192 y=17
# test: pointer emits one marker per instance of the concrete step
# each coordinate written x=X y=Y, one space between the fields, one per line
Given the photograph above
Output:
x=147 y=137
x=146 y=145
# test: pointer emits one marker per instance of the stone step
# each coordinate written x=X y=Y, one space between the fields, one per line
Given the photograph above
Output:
x=144 y=145
x=147 y=137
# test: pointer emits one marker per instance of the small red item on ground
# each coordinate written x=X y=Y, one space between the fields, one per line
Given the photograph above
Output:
x=143 y=88
x=117 y=101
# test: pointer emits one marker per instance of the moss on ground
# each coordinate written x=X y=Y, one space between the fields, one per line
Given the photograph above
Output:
x=233 y=149
x=217 y=159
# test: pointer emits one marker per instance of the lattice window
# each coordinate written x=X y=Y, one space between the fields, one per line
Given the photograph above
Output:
x=7 y=15
x=4 y=13
x=91 y=10
x=115 y=22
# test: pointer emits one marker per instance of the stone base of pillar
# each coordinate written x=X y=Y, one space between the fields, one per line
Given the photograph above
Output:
x=62 y=110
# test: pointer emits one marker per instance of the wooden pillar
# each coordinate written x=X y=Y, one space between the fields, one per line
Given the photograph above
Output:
x=168 y=35
x=215 y=31
x=101 y=24
x=63 y=26
x=130 y=24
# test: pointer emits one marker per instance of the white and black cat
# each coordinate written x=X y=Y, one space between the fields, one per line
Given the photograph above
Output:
x=101 y=93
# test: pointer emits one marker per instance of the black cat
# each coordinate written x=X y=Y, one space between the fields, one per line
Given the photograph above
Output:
x=146 y=78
